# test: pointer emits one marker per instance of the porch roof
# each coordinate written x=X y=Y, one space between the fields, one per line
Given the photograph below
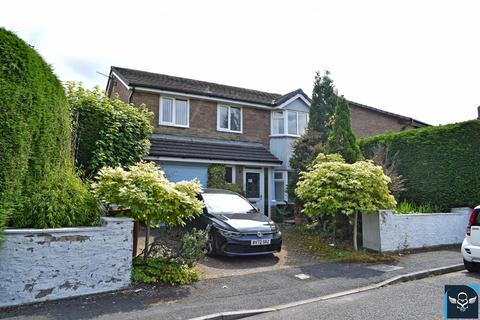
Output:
x=164 y=149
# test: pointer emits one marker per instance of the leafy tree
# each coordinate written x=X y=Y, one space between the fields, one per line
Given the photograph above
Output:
x=341 y=138
x=149 y=195
x=39 y=187
x=107 y=132
x=331 y=185
x=324 y=98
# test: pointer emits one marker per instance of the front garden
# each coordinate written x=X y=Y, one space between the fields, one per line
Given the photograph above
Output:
x=427 y=171
x=68 y=154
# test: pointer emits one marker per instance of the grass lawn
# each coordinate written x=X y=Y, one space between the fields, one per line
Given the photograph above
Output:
x=305 y=239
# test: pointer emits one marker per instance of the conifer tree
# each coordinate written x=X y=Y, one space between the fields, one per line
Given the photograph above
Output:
x=324 y=98
x=341 y=138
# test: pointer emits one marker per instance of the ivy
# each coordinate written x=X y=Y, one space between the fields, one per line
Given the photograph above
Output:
x=216 y=179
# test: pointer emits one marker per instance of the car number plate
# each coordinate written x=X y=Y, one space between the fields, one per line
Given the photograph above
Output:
x=260 y=242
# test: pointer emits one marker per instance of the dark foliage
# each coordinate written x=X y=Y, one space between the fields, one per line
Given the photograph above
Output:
x=341 y=138
x=324 y=97
x=440 y=164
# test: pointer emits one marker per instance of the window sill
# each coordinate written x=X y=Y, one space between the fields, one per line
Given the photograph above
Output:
x=174 y=125
x=229 y=131
x=284 y=135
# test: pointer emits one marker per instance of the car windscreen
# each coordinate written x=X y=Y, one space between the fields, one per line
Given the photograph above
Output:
x=223 y=203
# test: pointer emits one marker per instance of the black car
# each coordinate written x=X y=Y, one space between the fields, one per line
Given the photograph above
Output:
x=237 y=227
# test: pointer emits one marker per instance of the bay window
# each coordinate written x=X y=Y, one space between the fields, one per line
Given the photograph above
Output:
x=289 y=122
x=229 y=118
x=278 y=122
x=174 y=112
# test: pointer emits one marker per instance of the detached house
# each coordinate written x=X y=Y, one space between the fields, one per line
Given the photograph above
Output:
x=199 y=123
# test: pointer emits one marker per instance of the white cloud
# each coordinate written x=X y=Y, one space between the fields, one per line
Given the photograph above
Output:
x=416 y=58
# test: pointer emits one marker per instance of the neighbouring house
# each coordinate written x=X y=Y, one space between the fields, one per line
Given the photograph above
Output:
x=198 y=123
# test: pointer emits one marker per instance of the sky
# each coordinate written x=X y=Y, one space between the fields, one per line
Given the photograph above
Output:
x=420 y=59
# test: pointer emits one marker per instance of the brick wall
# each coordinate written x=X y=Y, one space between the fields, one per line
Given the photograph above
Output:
x=203 y=121
x=367 y=123
x=118 y=88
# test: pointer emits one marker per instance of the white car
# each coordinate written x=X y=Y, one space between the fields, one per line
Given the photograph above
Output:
x=471 y=243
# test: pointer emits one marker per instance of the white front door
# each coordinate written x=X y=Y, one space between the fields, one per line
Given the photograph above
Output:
x=253 y=187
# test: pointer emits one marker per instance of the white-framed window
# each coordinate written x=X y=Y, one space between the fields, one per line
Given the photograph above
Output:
x=280 y=181
x=229 y=118
x=289 y=122
x=174 y=112
x=278 y=122
x=229 y=174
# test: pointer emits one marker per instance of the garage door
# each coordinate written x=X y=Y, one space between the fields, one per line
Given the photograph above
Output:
x=178 y=172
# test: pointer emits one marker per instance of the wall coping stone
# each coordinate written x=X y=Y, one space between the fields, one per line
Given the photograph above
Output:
x=104 y=220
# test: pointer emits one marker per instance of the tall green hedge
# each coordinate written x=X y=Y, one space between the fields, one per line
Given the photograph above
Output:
x=107 y=132
x=441 y=164
x=38 y=184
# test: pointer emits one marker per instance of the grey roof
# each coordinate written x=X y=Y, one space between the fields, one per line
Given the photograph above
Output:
x=415 y=123
x=210 y=151
x=176 y=84
x=209 y=89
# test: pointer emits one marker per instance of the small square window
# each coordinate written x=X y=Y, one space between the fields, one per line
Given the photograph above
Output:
x=174 y=112
x=229 y=175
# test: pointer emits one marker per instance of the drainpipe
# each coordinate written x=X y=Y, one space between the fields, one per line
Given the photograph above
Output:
x=131 y=94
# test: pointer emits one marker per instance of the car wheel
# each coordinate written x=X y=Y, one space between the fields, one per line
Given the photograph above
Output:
x=210 y=245
x=470 y=266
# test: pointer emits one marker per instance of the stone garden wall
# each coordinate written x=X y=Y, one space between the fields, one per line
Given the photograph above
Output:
x=48 y=264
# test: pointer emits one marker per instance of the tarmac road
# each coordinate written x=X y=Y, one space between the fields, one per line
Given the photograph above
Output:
x=420 y=299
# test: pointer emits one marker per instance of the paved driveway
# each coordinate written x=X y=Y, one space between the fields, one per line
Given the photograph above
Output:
x=216 y=267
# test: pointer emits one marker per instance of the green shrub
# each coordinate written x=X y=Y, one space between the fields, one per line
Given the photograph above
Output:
x=107 y=132
x=149 y=195
x=177 y=245
x=331 y=185
x=440 y=164
x=406 y=207
x=192 y=246
x=35 y=144
x=216 y=179
x=158 y=270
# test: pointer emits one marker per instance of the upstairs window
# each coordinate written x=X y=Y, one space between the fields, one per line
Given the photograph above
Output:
x=229 y=118
x=289 y=122
x=174 y=112
x=278 y=122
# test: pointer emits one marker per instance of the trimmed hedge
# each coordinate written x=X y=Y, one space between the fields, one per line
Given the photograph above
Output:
x=38 y=184
x=441 y=164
